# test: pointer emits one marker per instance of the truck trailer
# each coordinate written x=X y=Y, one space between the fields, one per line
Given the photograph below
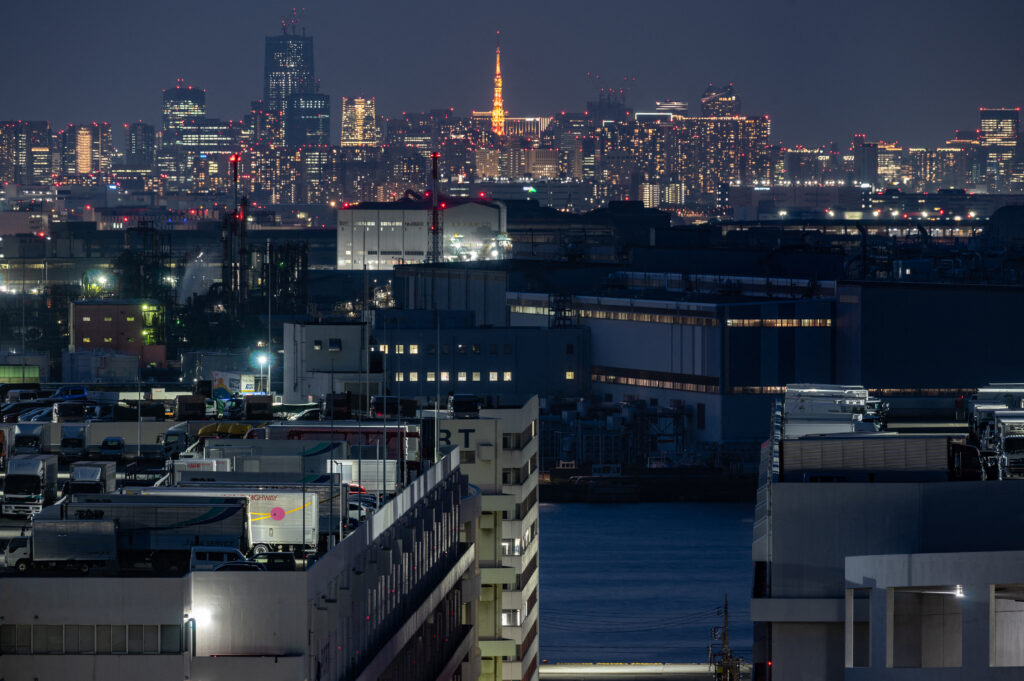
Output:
x=277 y=517
x=64 y=544
x=162 y=531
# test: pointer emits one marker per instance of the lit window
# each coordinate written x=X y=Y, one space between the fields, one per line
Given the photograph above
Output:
x=414 y=349
x=334 y=344
x=476 y=375
x=431 y=377
x=86 y=319
x=445 y=376
x=399 y=376
x=414 y=375
x=492 y=376
x=570 y=375
x=129 y=319
x=507 y=376
x=108 y=319
x=318 y=345
x=87 y=340
x=399 y=349
x=462 y=375
x=108 y=339
x=383 y=348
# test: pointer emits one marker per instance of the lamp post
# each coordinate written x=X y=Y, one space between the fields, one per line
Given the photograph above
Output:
x=333 y=351
x=263 y=361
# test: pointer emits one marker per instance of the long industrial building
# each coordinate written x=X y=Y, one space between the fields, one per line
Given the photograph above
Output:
x=398 y=598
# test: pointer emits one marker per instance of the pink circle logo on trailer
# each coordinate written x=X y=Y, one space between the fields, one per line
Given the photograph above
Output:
x=277 y=513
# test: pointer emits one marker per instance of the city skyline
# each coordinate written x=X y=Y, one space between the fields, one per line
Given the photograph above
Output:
x=917 y=93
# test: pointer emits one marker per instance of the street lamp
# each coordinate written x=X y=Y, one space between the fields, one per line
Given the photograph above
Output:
x=262 y=360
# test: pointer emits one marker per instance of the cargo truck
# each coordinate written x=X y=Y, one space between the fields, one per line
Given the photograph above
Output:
x=93 y=477
x=30 y=484
x=1009 y=429
x=162 y=531
x=64 y=544
x=332 y=495
x=31 y=438
x=189 y=408
x=72 y=442
x=277 y=517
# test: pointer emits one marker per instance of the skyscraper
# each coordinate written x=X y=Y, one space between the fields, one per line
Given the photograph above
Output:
x=287 y=69
x=359 y=122
x=25 y=152
x=720 y=101
x=307 y=119
x=180 y=102
x=998 y=134
x=139 y=145
x=498 y=108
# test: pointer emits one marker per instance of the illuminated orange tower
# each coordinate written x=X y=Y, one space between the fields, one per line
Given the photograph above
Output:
x=498 y=109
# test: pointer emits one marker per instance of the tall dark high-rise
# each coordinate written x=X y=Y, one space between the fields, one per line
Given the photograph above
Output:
x=287 y=69
x=25 y=152
x=307 y=119
x=720 y=101
x=139 y=145
x=180 y=102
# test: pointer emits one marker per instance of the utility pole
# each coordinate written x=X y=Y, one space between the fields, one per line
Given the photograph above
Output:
x=726 y=667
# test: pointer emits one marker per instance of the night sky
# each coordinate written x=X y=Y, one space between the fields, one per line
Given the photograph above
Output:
x=906 y=70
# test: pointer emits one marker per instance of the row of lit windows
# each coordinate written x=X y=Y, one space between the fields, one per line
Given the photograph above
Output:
x=654 y=383
x=623 y=316
x=108 y=319
x=461 y=376
x=460 y=348
x=780 y=323
x=108 y=339
x=758 y=390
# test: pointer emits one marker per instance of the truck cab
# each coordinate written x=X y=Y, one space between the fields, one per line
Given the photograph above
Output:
x=1010 y=449
x=18 y=554
x=72 y=442
x=28 y=439
x=30 y=484
x=112 y=448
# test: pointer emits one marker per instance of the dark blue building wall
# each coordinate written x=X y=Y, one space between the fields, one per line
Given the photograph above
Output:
x=918 y=336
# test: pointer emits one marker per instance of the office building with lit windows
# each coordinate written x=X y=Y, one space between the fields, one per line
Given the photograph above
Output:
x=307 y=120
x=506 y=441
x=125 y=327
x=287 y=69
x=998 y=134
x=417 y=355
x=26 y=152
x=180 y=103
x=139 y=145
x=720 y=101
x=359 y=122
